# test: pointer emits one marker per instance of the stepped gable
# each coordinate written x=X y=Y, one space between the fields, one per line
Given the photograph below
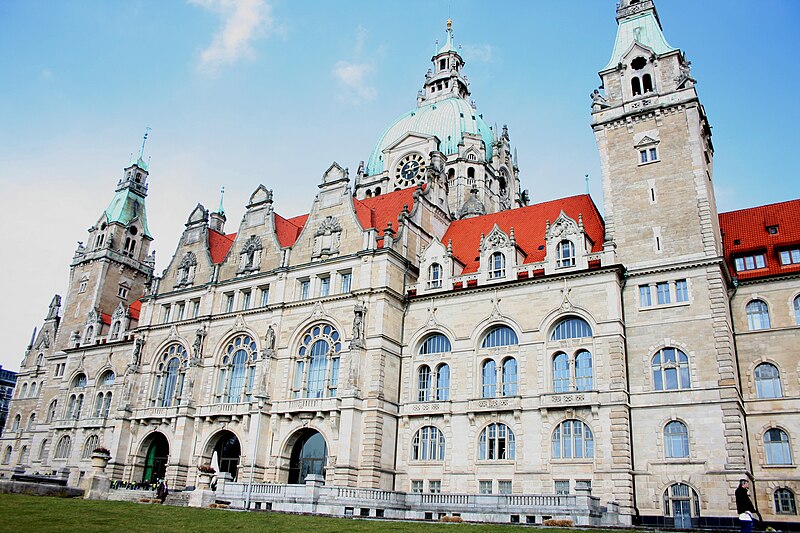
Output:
x=747 y=232
x=219 y=245
x=529 y=223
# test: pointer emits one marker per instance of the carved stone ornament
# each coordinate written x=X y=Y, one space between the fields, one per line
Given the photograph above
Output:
x=358 y=327
x=186 y=270
x=566 y=304
x=261 y=195
x=562 y=227
x=327 y=237
x=120 y=312
x=250 y=256
x=496 y=239
x=93 y=317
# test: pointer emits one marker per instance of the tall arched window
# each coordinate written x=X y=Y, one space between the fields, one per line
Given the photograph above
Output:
x=571 y=328
x=7 y=455
x=17 y=421
x=435 y=276
x=489 y=379
x=32 y=393
x=317 y=365
x=443 y=382
x=768 y=381
x=79 y=381
x=31 y=421
x=63 y=448
x=428 y=445
x=776 y=446
x=681 y=503
x=509 y=377
x=560 y=372
x=797 y=309
x=436 y=343
x=583 y=371
x=24 y=391
x=170 y=372
x=496 y=443
x=572 y=439
x=88 y=447
x=237 y=372
x=676 y=440
x=500 y=336
x=75 y=406
x=23 y=455
x=497 y=265
x=44 y=450
x=423 y=383
x=647 y=83
x=670 y=370
x=51 y=411
x=757 y=315
x=784 y=501
x=565 y=254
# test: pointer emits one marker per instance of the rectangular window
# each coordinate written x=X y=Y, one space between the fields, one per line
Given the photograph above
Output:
x=504 y=486
x=644 y=296
x=416 y=486
x=562 y=486
x=82 y=287
x=324 y=286
x=643 y=156
x=165 y=309
x=245 y=300
x=653 y=154
x=681 y=291
x=750 y=262
x=265 y=296
x=122 y=292
x=304 y=286
x=662 y=292
x=485 y=486
x=790 y=257
x=346 y=277
x=228 y=303
x=59 y=370
x=180 y=311
x=195 y=308
x=435 y=486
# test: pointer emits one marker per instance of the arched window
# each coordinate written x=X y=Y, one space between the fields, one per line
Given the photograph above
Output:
x=423 y=383
x=7 y=455
x=51 y=411
x=670 y=370
x=75 y=406
x=63 y=448
x=510 y=377
x=768 y=381
x=757 y=315
x=107 y=379
x=497 y=265
x=572 y=439
x=496 y=443
x=560 y=372
x=489 y=379
x=89 y=446
x=31 y=421
x=471 y=171
x=583 y=371
x=237 y=373
x=23 y=455
x=317 y=366
x=98 y=405
x=443 y=382
x=436 y=343
x=676 y=440
x=647 y=83
x=44 y=450
x=428 y=445
x=636 y=86
x=565 y=254
x=500 y=336
x=32 y=393
x=776 y=446
x=170 y=368
x=16 y=423
x=79 y=381
x=571 y=328
x=435 y=276
x=797 y=310
x=24 y=391
x=115 y=329
x=106 y=405
x=784 y=502
x=681 y=502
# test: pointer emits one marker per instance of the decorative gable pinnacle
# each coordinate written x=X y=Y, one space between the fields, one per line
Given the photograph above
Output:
x=496 y=239
x=562 y=227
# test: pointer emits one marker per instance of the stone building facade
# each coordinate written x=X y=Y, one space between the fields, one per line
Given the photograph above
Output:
x=424 y=330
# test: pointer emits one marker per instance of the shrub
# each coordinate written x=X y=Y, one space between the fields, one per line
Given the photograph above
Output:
x=558 y=522
x=207 y=469
x=103 y=450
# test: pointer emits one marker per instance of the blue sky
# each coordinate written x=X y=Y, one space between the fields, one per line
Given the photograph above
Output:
x=272 y=91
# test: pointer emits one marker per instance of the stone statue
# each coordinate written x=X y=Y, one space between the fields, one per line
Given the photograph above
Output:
x=358 y=327
x=598 y=99
x=136 y=353
x=269 y=339
x=197 y=347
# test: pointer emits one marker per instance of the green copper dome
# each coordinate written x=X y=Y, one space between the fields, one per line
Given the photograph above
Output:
x=643 y=29
x=447 y=119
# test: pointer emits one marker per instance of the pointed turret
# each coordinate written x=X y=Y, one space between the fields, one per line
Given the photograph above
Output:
x=446 y=79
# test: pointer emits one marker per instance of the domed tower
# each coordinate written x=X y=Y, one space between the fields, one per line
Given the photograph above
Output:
x=446 y=144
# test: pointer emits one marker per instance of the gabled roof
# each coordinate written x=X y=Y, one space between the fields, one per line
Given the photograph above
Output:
x=745 y=232
x=378 y=211
x=219 y=245
x=134 y=309
x=529 y=223
x=105 y=318
x=288 y=230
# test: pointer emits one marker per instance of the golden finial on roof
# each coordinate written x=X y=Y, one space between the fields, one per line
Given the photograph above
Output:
x=449 y=24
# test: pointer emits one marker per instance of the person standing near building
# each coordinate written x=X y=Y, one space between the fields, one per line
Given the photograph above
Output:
x=745 y=508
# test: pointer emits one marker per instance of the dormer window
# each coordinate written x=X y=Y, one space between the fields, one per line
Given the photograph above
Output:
x=435 y=276
x=750 y=262
x=566 y=254
x=790 y=257
x=497 y=265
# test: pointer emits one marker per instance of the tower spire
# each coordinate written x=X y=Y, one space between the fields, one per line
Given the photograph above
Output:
x=147 y=131
x=221 y=209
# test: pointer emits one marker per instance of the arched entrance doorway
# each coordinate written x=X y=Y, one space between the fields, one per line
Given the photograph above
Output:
x=309 y=455
x=155 y=462
x=227 y=451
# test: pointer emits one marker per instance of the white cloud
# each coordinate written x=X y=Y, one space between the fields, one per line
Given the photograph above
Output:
x=356 y=76
x=243 y=21
x=481 y=53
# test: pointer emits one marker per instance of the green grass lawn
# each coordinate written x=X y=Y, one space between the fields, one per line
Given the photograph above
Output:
x=41 y=514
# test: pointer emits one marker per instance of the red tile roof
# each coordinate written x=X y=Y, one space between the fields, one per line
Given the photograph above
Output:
x=288 y=230
x=745 y=232
x=135 y=308
x=105 y=318
x=378 y=211
x=219 y=245
x=529 y=223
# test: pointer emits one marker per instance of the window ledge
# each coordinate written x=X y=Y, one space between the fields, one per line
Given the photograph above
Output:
x=582 y=461
x=663 y=306
x=772 y=467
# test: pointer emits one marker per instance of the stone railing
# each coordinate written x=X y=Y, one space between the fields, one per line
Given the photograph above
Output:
x=509 y=403
x=224 y=409
x=307 y=405
x=568 y=399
